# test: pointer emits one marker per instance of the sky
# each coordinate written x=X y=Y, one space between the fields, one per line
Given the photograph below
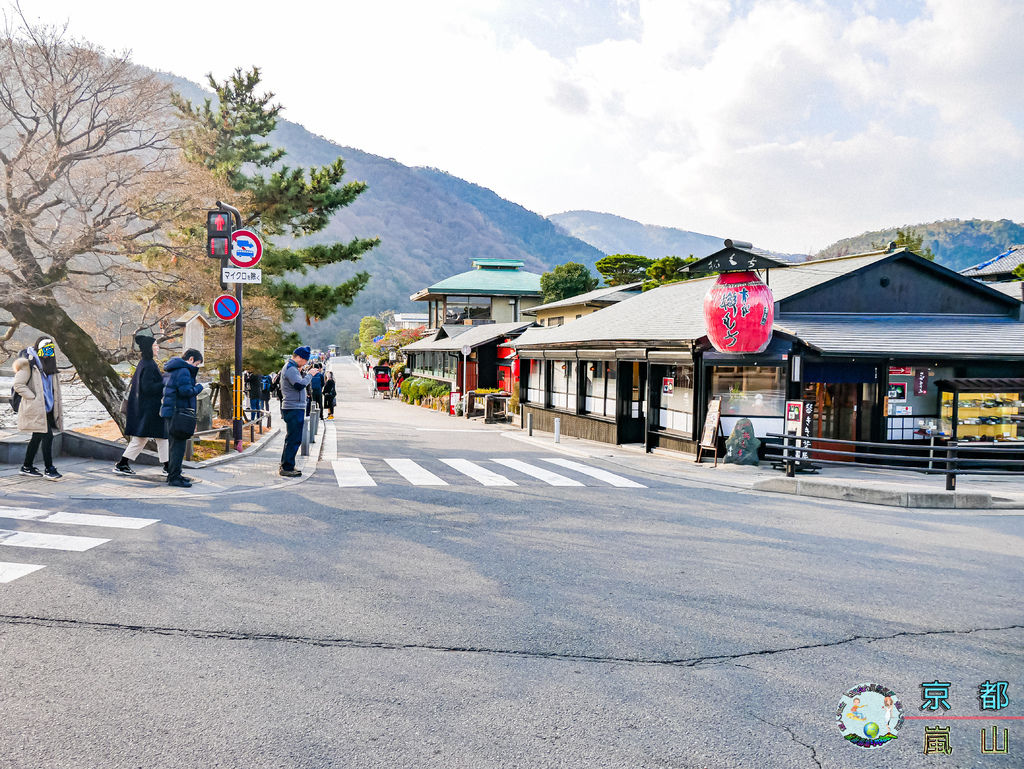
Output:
x=787 y=123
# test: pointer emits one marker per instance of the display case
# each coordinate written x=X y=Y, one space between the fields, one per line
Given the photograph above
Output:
x=982 y=416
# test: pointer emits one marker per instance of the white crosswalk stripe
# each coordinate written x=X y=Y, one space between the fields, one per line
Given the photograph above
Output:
x=595 y=472
x=77 y=519
x=11 y=538
x=47 y=541
x=416 y=475
x=350 y=472
x=330 y=443
x=11 y=571
x=550 y=478
x=353 y=472
x=479 y=474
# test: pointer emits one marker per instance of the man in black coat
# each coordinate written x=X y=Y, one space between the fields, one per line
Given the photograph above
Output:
x=142 y=415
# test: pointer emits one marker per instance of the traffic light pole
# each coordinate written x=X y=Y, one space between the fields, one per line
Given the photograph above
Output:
x=236 y=423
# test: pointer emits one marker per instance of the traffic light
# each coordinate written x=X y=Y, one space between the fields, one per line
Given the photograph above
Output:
x=218 y=234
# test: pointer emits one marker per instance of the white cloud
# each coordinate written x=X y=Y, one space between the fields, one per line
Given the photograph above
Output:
x=788 y=122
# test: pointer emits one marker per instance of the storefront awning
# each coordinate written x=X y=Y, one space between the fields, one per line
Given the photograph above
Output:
x=982 y=384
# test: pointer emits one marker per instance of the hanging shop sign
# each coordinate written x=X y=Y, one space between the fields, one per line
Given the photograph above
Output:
x=920 y=381
x=739 y=310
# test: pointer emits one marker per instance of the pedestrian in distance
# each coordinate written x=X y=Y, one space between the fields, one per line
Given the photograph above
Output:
x=179 y=410
x=294 y=381
x=330 y=394
x=142 y=419
x=266 y=386
x=254 y=386
x=316 y=385
x=40 y=410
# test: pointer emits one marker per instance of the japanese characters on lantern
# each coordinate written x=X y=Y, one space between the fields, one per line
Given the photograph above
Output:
x=739 y=310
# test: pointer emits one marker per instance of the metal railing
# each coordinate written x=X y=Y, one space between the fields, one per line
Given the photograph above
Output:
x=794 y=452
x=252 y=424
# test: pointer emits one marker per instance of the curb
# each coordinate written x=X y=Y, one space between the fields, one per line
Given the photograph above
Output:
x=253 y=449
x=949 y=500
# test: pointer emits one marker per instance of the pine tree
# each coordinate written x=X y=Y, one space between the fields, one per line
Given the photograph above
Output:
x=278 y=201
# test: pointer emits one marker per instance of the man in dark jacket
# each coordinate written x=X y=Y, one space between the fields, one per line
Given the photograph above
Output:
x=142 y=415
x=316 y=387
x=254 y=386
x=180 y=391
x=293 y=408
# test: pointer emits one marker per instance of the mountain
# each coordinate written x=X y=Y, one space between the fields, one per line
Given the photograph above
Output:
x=956 y=243
x=431 y=225
x=617 y=235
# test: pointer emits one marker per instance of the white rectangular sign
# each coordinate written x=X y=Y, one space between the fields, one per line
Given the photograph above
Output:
x=239 y=275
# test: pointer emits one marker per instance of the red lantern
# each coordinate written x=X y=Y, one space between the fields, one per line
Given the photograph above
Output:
x=738 y=311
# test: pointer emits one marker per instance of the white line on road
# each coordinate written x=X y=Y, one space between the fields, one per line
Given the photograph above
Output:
x=481 y=475
x=415 y=474
x=549 y=477
x=77 y=519
x=350 y=472
x=593 y=472
x=330 y=443
x=11 y=571
x=444 y=430
x=48 y=541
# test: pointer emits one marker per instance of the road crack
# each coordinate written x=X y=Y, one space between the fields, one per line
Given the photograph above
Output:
x=792 y=734
x=354 y=643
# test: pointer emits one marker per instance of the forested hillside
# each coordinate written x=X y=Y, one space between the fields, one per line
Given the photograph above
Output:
x=957 y=243
x=431 y=225
x=618 y=235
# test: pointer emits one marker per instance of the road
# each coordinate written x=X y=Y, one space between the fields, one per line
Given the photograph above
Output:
x=629 y=619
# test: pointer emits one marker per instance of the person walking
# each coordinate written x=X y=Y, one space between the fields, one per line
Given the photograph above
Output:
x=180 y=391
x=41 y=409
x=266 y=385
x=142 y=415
x=316 y=385
x=293 y=381
x=254 y=385
x=330 y=394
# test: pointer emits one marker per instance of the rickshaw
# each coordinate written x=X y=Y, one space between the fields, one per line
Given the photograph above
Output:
x=382 y=381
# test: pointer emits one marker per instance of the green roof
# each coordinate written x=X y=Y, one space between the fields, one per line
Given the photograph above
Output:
x=489 y=282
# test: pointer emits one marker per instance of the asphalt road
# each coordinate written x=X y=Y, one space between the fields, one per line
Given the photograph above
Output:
x=401 y=625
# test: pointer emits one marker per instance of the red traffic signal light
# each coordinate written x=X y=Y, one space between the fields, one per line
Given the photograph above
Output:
x=218 y=234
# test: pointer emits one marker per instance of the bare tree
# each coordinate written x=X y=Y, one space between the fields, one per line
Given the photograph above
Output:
x=91 y=183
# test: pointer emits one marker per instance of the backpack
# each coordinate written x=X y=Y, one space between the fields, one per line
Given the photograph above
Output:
x=266 y=383
x=16 y=396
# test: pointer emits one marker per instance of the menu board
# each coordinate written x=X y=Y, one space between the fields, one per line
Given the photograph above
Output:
x=711 y=421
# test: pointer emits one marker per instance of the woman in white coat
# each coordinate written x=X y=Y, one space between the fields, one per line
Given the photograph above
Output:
x=41 y=410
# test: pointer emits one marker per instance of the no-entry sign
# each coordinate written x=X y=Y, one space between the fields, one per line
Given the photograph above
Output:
x=246 y=249
x=226 y=307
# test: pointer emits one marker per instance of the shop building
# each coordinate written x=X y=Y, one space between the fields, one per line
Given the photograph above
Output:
x=565 y=310
x=440 y=357
x=494 y=291
x=877 y=341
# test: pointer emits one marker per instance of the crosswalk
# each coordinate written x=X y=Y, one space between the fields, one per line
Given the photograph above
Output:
x=354 y=472
x=51 y=540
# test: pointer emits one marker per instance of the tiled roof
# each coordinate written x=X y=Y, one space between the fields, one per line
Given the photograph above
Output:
x=606 y=295
x=489 y=282
x=1004 y=263
x=474 y=337
x=907 y=335
x=675 y=312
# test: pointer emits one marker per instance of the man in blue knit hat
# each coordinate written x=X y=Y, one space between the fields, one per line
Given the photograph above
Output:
x=293 y=407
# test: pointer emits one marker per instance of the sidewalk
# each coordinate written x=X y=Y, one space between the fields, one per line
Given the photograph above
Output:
x=95 y=479
x=853 y=483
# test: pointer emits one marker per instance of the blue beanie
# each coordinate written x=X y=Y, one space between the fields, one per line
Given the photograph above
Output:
x=302 y=352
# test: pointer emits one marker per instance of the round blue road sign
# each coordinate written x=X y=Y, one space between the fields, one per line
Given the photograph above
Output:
x=226 y=307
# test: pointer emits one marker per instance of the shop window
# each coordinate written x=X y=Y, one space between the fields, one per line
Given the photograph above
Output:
x=562 y=394
x=749 y=391
x=983 y=416
x=675 y=392
x=599 y=387
x=459 y=309
x=535 y=382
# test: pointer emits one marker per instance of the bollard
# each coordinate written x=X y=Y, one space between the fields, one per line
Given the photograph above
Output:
x=529 y=424
x=304 y=450
x=314 y=427
x=558 y=430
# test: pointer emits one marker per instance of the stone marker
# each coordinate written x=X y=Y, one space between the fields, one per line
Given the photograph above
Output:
x=741 y=446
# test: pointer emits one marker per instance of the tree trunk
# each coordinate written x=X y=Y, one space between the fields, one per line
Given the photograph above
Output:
x=45 y=314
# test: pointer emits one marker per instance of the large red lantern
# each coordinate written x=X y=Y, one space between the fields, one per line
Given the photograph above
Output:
x=738 y=310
